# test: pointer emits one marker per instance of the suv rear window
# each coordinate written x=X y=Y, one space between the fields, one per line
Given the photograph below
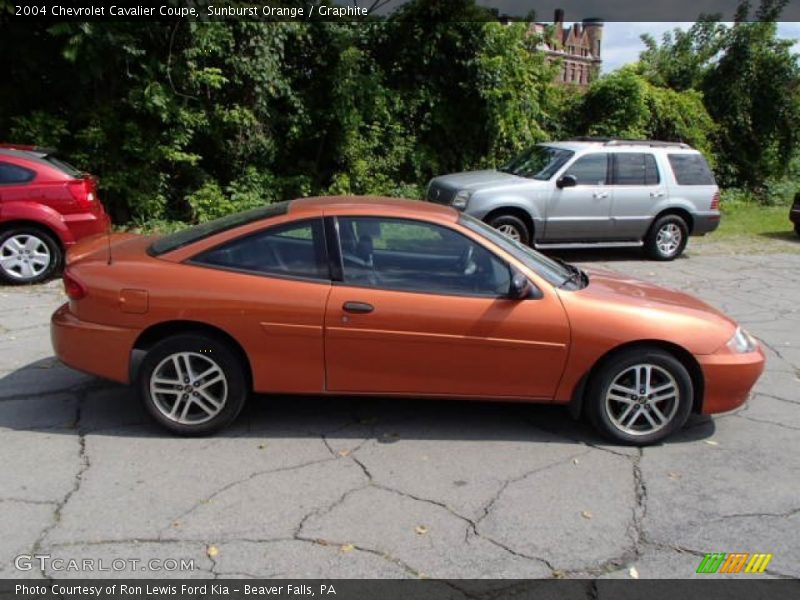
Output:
x=691 y=169
x=171 y=242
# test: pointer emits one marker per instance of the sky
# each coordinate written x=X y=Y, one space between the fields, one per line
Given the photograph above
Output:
x=621 y=43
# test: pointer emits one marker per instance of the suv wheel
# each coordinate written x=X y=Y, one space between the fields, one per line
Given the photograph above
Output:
x=667 y=238
x=640 y=396
x=27 y=255
x=513 y=227
x=192 y=384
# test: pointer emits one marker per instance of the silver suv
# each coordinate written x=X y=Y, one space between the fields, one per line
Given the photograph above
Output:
x=591 y=192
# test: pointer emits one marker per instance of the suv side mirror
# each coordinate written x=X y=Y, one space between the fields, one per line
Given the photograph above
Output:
x=567 y=181
x=520 y=286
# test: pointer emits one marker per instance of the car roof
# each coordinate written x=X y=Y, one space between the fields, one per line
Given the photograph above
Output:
x=379 y=205
x=610 y=143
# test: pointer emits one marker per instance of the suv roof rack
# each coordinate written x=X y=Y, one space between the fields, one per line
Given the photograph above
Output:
x=607 y=141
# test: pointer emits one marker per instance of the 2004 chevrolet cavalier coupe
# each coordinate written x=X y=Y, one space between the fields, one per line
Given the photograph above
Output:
x=389 y=297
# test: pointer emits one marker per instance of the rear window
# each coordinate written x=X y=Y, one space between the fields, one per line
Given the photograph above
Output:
x=10 y=174
x=691 y=169
x=64 y=167
x=171 y=242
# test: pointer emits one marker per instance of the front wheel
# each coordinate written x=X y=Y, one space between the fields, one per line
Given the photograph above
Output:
x=667 y=238
x=192 y=384
x=513 y=227
x=640 y=396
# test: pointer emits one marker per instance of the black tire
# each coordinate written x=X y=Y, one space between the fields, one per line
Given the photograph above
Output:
x=797 y=229
x=512 y=224
x=608 y=415
x=668 y=223
x=41 y=243
x=203 y=350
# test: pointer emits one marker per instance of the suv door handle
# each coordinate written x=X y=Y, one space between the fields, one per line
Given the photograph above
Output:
x=357 y=307
x=658 y=194
x=601 y=194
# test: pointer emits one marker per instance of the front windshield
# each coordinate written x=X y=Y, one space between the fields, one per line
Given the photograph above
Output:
x=538 y=162
x=555 y=273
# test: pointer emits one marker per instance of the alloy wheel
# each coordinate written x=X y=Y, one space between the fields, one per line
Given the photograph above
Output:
x=668 y=239
x=510 y=231
x=24 y=256
x=642 y=399
x=189 y=388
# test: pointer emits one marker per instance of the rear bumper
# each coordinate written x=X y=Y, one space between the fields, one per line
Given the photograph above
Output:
x=82 y=225
x=704 y=223
x=729 y=378
x=90 y=347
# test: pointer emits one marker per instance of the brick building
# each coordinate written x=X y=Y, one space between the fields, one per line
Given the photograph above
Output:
x=578 y=46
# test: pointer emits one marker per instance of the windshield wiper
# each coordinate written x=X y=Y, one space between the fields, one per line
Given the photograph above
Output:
x=575 y=274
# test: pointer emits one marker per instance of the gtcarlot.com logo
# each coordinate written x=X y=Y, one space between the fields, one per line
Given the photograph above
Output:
x=46 y=562
x=734 y=562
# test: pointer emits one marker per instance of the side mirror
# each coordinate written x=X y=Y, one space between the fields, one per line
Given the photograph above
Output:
x=567 y=181
x=520 y=287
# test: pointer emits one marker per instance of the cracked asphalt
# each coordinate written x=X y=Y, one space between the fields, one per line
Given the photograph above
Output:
x=341 y=487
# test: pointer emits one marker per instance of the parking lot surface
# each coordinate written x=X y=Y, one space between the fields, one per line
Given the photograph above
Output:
x=343 y=487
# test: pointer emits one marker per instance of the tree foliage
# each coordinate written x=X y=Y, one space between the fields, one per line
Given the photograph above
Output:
x=190 y=120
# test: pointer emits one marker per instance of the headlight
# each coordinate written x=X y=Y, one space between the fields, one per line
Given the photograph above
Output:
x=460 y=199
x=742 y=342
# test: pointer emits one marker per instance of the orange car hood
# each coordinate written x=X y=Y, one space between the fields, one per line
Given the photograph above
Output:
x=619 y=308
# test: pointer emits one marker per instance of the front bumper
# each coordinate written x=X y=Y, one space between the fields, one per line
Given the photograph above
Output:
x=97 y=349
x=728 y=378
x=704 y=223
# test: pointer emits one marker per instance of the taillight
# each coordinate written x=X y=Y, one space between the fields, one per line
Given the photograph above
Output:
x=715 y=201
x=83 y=191
x=75 y=289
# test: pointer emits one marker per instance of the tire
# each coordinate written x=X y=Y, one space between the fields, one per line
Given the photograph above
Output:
x=650 y=417
x=28 y=255
x=513 y=227
x=195 y=412
x=667 y=238
x=797 y=229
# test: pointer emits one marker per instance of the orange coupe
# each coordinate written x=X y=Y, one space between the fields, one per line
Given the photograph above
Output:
x=375 y=296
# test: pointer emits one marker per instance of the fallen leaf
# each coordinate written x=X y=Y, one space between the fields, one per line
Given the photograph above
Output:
x=712 y=442
x=633 y=573
x=262 y=446
x=586 y=514
x=673 y=475
x=322 y=542
x=575 y=461
x=176 y=524
x=212 y=551
x=344 y=452
x=421 y=529
x=347 y=548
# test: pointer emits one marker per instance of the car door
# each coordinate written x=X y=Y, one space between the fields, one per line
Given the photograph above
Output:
x=581 y=213
x=636 y=187
x=423 y=309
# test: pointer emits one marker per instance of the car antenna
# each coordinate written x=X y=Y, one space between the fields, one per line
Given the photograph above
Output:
x=108 y=241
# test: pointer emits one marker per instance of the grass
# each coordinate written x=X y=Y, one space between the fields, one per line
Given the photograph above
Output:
x=749 y=220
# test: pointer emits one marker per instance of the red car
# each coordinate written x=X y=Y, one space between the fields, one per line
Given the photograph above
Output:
x=46 y=206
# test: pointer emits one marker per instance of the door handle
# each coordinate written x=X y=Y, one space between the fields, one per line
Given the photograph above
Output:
x=657 y=194
x=601 y=194
x=357 y=307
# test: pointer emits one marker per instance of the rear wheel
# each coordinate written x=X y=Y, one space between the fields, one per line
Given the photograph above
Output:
x=512 y=226
x=192 y=384
x=640 y=396
x=667 y=238
x=28 y=255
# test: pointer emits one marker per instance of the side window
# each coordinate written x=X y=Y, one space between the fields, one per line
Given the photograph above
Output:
x=590 y=169
x=293 y=250
x=691 y=169
x=408 y=255
x=634 y=168
x=10 y=174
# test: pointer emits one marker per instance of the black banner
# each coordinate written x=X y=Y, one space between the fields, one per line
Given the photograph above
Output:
x=369 y=589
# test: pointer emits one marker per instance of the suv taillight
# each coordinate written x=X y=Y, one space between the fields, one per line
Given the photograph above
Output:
x=75 y=289
x=715 y=201
x=83 y=190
